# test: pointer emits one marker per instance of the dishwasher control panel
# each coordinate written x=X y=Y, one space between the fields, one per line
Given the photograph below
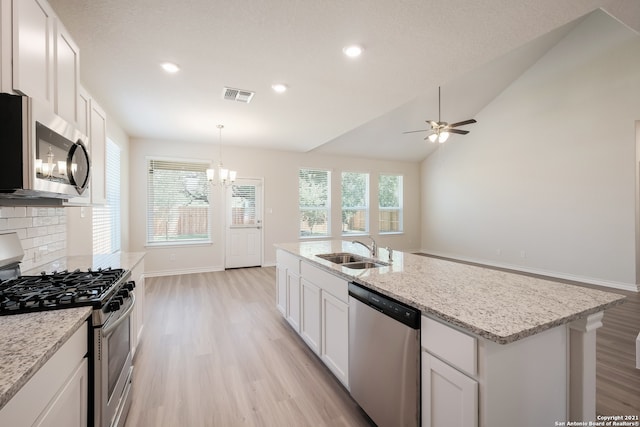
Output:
x=384 y=304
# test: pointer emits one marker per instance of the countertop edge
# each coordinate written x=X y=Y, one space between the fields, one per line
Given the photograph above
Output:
x=29 y=373
x=499 y=339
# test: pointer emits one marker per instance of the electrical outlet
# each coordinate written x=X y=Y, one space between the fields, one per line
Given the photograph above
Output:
x=172 y=257
x=523 y=254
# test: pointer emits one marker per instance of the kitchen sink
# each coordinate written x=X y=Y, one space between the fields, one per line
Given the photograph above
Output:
x=354 y=261
x=341 y=257
x=365 y=264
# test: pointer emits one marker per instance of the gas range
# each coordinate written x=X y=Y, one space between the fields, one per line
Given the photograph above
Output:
x=103 y=289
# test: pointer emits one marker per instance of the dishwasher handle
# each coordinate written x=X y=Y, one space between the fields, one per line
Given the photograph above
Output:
x=409 y=316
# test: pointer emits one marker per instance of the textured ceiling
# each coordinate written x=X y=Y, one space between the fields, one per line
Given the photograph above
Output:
x=334 y=104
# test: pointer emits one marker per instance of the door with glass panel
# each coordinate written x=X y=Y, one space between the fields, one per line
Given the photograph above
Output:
x=244 y=223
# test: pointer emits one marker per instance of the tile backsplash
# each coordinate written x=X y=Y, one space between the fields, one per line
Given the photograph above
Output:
x=42 y=232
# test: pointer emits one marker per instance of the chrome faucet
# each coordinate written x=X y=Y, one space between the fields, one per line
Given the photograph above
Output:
x=373 y=249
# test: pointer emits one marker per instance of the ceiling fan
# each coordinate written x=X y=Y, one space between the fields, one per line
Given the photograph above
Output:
x=440 y=130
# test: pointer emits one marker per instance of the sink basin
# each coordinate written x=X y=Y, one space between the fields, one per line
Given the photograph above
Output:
x=364 y=264
x=341 y=257
x=354 y=261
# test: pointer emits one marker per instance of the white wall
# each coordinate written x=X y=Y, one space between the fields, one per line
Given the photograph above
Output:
x=545 y=181
x=280 y=173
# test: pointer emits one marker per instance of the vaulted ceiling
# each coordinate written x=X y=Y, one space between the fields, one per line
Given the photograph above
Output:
x=334 y=104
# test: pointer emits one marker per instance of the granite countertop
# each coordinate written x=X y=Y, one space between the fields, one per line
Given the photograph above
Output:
x=27 y=341
x=500 y=306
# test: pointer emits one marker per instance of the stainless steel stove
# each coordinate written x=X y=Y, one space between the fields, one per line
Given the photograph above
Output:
x=108 y=291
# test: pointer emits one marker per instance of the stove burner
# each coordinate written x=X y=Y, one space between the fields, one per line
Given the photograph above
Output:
x=58 y=290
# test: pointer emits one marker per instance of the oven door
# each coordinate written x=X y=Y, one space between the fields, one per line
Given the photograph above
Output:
x=113 y=368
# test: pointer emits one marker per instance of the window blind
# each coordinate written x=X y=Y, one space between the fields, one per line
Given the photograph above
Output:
x=106 y=219
x=243 y=205
x=177 y=201
x=390 y=210
x=355 y=203
x=314 y=201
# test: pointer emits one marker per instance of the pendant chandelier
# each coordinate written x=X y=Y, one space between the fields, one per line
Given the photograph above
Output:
x=226 y=177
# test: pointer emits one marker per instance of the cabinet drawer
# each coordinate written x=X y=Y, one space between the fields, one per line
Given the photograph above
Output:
x=455 y=347
x=288 y=261
x=336 y=286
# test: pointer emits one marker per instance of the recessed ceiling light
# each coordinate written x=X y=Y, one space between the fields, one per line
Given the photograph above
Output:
x=279 y=87
x=170 y=67
x=352 y=51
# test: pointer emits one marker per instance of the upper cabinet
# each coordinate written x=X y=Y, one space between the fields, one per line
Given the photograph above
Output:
x=98 y=138
x=39 y=57
x=66 y=61
x=32 y=33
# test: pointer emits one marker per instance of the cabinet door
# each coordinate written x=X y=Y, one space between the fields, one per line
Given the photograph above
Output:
x=310 y=314
x=69 y=408
x=98 y=153
x=449 y=398
x=334 y=350
x=33 y=26
x=66 y=62
x=293 y=300
x=84 y=111
x=281 y=289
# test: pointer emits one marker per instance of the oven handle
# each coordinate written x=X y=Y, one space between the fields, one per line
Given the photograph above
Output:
x=109 y=329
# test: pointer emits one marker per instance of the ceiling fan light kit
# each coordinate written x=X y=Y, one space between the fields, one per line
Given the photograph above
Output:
x=442 y=130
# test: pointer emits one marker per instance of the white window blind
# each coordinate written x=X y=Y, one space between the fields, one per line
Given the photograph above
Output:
x=243 y=205
x=177 y=201
x=355 y=203
x=390 y=204
x=314 y=199
x=106 y=219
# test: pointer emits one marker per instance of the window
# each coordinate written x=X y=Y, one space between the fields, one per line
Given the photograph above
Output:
x=243 y=205
x=106 y=219
x=390 y=198
x=355 y=203
x=314 y=198
x=177 y=201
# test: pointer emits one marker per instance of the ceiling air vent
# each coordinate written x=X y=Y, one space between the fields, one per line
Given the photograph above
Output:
x=237 y=95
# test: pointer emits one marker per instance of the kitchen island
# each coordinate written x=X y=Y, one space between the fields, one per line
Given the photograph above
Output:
x=525 y=345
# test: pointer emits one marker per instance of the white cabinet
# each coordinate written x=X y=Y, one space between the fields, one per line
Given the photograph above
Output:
x=66 y=65
x=33 y=43
x=310 y=314
x=335 y=336
x=137 y=318
x=316 y=304
x=57 y=394
x=449 y=398
x=288 y=287
x=471 y=381
x=98 y=152
x=293 y=299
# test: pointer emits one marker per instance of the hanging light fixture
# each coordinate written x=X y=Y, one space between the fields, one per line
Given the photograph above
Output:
x=225 y=176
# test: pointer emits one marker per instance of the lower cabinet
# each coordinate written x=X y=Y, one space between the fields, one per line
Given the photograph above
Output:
x=449 y=397
x=335 y=336
x=315 y=303
x=310 y=315
x=57 y=394
x=137 y=318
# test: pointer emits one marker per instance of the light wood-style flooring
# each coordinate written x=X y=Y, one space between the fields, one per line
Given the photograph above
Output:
x=216 y=352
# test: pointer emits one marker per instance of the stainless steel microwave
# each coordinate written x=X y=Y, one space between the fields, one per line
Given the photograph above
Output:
x=41 y=154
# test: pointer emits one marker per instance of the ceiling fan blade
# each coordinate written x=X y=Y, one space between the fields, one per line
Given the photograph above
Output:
x=466 y=122
x=414 y=131
x=458 y=131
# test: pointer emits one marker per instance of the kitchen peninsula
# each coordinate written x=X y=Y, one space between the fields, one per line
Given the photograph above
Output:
x=522 y=349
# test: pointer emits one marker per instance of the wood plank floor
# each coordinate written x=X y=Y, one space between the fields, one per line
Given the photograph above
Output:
x=216 y=352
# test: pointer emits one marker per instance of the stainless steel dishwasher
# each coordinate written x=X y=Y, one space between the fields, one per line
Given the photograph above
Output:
x=384 y=358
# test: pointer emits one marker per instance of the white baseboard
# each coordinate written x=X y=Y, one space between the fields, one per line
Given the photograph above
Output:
x=631 y=287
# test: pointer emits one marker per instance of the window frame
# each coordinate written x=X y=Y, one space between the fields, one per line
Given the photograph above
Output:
x=205 y=164
x=400 y=208
x=366 y=208
x=326 y=208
